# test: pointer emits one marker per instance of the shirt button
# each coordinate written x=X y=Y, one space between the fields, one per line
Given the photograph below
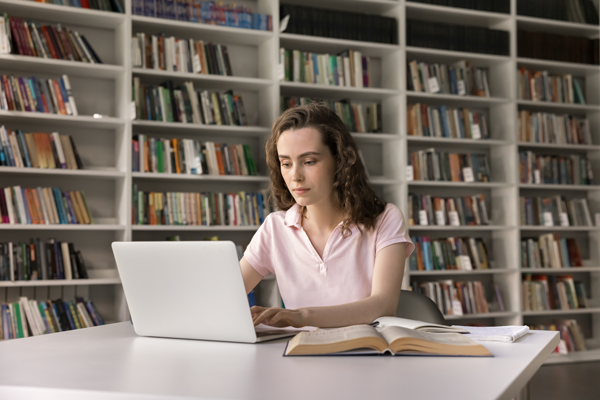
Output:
x=322 y=267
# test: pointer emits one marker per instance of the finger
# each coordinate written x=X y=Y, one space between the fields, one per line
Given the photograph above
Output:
x=257 y=310
x=265 y=316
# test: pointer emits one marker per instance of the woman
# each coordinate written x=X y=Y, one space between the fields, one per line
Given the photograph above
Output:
x=336 y=250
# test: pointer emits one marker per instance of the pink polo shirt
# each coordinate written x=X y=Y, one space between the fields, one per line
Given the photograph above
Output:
x=344 y=275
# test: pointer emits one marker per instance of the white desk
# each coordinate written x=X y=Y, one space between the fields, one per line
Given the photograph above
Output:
x=111 y=362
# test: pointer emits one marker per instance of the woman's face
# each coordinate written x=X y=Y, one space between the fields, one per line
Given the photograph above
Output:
x=307 y=166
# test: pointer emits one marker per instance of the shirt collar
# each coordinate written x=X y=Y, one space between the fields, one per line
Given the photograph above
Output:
x=292 y=216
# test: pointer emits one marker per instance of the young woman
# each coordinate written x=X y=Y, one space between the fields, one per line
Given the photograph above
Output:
x=336 y=250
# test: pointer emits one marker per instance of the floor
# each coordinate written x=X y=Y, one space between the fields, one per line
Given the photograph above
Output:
x=567 y=382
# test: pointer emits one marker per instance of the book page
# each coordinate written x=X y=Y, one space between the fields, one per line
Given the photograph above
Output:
x=335 y=335
x=393 y=333
x=384 y=322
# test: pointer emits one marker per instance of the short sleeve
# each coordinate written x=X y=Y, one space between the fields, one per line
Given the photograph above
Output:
x=258 y=252
x=391 y=229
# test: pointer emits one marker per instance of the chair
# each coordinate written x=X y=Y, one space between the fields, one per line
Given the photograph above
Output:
x=413 y=305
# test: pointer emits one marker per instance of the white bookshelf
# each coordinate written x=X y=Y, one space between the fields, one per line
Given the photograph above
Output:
x=105 y=143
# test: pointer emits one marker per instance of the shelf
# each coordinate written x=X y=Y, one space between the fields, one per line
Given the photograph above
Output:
x=525 y=228
x=449 y=57
x=593 y=310
x=559 y=107
x=549 y=186
x=429 y=140
x=465 y=228
x=62 y=282
x=61 y=227
x=482 y=185
x=207 y=32
x=63 y=14
x=570 y=270
x=170 y=128
x=554 y=147
x=448 y=272
x=497 y=314
x=108 y=173
x=200 y=228
x=185 y=177
x=379 y=180
x=573 y=357
x=204 y=81
x=375 y=137
x=557 y=27
x=317 y=44
x=327 y=91
x=453 y=99
x=454 y=15
x=60 y=67
x=558 y=66
x=88 y=122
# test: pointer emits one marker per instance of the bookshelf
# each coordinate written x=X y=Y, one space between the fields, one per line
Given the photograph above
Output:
x=105 y=142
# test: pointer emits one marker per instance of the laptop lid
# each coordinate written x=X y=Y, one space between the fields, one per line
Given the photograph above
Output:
x=190 y=290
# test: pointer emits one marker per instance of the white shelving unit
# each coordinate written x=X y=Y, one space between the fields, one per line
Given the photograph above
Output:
x=105 y=143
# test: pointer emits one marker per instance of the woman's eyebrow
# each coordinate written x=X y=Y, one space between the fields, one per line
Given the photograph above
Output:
x=308 y=153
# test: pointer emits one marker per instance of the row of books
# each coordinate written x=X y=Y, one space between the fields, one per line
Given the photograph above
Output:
x=102 y=5
x=347 y=68
x=543 y=86
x=554 y=211
x=550 y=251
x=24 y=318
x=471 y=39
x=206 y=208
x=338 y=24
x=551 y=292
x=38 y=150
x=433 y=165
x=449 y=253
x=22 y=261
x=571 y=337
x=43 y=206
x=442 y=121
x=359 y=118
x=426 y=210
x=500 y=6
x=549 y=46
x=168 y=103
x=551 y=169
x=168 y=53
x=540 y=127
x=580 y=11
x=53 y=96
x=455 y=298
x=205 y=12
x=46 y=41
x=459 y=78
x=191 y=157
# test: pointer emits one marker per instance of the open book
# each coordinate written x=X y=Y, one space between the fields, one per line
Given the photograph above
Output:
x=397 y=340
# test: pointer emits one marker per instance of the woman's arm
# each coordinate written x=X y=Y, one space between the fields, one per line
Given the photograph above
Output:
x=387 y=280
x=250 y=275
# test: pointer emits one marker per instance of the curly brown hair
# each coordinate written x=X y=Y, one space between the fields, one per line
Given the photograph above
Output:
x=351 y=190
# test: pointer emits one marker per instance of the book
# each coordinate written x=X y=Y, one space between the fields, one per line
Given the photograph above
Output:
x=395 y=340
x=444 y=36
x=556 y=47
x=349 y=25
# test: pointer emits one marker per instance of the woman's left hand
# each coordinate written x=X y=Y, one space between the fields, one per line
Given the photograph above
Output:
x=277 y=317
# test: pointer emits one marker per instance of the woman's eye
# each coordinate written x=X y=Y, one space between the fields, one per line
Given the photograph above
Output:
x=310 y=163
x=285 y=165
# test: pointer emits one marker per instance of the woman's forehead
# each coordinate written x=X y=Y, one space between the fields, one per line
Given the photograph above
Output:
x=300 y=141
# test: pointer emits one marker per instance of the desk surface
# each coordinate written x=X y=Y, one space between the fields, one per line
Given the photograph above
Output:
x=111 y=362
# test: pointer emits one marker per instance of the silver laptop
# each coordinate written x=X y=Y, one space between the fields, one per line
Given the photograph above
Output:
x=188 y=290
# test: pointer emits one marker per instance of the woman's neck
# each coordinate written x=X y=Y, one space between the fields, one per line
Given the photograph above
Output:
x=323 y=217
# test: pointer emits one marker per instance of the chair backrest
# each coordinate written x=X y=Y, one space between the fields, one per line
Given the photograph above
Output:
x=413 y=305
